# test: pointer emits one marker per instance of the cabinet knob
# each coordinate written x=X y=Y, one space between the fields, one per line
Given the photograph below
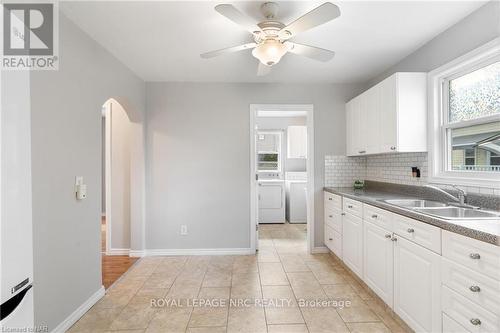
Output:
x=374 y=216
x=410 y=230
x=343 y=214
x=330 y=199
x=475 y=256
x=475 y=321
x=393 y=148
x=475 y=289
x=349 y=206
x=330 y=239
x=388 y=236
x=330 y=216
x=394 y=239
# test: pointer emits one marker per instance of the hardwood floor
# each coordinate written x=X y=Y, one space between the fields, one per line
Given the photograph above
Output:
x=112 y=266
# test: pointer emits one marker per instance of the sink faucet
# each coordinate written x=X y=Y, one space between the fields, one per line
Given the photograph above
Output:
x=461 y=193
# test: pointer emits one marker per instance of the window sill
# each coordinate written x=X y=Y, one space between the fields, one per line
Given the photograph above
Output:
x=454 y=179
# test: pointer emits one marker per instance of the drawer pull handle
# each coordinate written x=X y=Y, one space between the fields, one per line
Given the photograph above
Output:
x=410 y=230
x=475 y=289
x=388 y=236
x=342 y=214
x=349 y=206
x=330 y=216
x=330 y=239
x=475 y=322
x=393 y=148
x=330 y=199
x=475 y=256
x=374 y=216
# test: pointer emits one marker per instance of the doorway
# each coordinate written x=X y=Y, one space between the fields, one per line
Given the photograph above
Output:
x=115 y=220
x=282 y=177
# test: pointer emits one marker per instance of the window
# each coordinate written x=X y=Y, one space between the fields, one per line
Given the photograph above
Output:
x=269 y=151
x=465 y=119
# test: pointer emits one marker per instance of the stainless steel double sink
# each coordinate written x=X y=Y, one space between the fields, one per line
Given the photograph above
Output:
x=443 y=210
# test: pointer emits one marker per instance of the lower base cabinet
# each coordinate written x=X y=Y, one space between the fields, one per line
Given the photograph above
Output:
x=352 y=243
x=417 y=286
x=378 y=261
x=451 y=326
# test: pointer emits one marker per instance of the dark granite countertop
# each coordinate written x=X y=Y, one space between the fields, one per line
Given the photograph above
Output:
x=483 y=230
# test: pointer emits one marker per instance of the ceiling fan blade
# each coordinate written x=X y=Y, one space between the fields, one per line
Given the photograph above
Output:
x=322 y=14
x=230 y=12
x=263 y=70
x=312 y=52
x=216 y=53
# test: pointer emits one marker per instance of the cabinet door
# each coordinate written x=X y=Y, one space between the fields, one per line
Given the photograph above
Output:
x=349 y=127
x=352 y=243
x=297 y=142
x=417 y=286
x=378 y=261
x=371 y=120
x=388 y=126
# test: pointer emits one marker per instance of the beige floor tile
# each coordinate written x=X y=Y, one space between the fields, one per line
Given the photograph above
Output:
x=95 y=320
x=217 y=278
x=152 y=293
x=293 y=263
x=267 y=255
x=305 y=286
x=114 y=300
x=294 y=328
x=323 y=320
x=214 y=293
x=246 y=320
x=385 y=316
x=170 y=320
x=368 y=328
x=206 y=330
x=126 y=331
x=357 y=314
x=208 y=316
x=272 y=274
x=248 y=279
x=134 y=316
x=283 y=315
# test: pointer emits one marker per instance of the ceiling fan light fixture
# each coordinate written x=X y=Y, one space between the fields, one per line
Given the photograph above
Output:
x=269 y=52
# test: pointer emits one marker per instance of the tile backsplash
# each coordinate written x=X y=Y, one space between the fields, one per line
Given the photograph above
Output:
x=389 y=168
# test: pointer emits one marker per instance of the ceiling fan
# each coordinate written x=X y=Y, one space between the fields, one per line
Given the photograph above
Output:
x=271 y=37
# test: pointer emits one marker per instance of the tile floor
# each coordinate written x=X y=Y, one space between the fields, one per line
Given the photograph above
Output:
x=282 y=273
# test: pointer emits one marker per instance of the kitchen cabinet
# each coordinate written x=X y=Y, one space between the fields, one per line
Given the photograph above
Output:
x=297 y=142
x=389 y=117
x=378 y=263
x=417 y=285
x=333 y=223
x=352 y=243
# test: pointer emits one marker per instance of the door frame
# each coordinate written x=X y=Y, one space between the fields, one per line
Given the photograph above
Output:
x=309 y=108
x=107 y=114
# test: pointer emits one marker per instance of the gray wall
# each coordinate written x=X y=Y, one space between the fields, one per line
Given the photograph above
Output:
x=282 y=123
x=66 y=142
x=198 y=157
x=477 y=29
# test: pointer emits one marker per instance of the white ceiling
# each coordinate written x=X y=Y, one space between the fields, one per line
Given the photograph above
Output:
x=162 y=40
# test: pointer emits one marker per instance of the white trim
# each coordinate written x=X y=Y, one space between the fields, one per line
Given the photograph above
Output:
x=117 y=252
x=320 y=249
x=78 y=313
x=107 y=170
x=309 y=108
x=137 y=253
x=437 y=156
x=199 y=252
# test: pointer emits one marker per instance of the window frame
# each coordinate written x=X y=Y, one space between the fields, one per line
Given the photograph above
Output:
x=439 y=126
x=279 y=151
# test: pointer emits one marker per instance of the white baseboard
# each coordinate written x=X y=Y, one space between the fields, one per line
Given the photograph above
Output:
x=198 y=252
x=78 y=313
x=137 y=253
x=320 y=249
x=118 y=252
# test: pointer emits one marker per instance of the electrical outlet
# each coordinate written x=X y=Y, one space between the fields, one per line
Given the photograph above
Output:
x=184 y=230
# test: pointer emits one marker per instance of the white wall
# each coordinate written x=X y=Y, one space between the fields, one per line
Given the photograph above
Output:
x=118 y=215
x=282 y=123
x=476 y=29
x=66 y=142
x=198 y=157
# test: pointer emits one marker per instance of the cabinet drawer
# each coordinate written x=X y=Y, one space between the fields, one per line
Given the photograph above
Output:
x=481 y=257
x=377 y=216
x=333 y=201
x=333 y=219
x=423 y=234
x=354 y=207
x=472 y=317
x=451 y=326
x=333 y=241
x=472 y=285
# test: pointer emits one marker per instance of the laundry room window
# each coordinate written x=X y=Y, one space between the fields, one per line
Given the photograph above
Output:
x=269 y=151
x=466 y=120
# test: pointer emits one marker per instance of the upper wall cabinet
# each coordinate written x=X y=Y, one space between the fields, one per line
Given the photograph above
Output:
x=297 y=142
x=389 y=117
